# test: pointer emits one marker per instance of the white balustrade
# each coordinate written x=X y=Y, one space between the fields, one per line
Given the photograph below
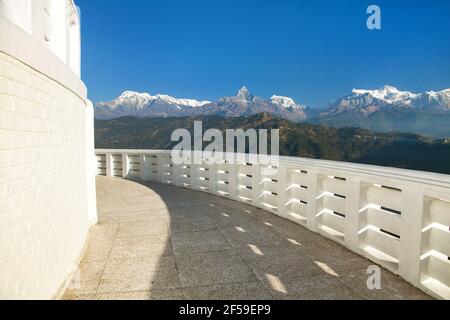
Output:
x=398 y=218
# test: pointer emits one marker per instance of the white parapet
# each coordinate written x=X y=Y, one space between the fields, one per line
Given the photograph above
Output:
x=398 y=218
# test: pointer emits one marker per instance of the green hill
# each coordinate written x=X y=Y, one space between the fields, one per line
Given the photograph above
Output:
x=402 y=150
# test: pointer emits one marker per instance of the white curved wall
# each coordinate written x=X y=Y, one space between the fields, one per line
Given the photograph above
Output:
x=47 y=191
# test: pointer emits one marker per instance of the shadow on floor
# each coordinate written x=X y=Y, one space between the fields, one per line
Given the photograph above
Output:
x=156 y=241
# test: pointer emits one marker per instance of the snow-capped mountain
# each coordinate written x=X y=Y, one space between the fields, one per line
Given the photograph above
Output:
x=130 y=99
x=132 y=103
x=438 y=100
x=367 y=102
x=244 y=103
x=388 y=93
x=389 y=109
x=286 y=102
x=245 y=95
x=384 y=109
x=139 y=101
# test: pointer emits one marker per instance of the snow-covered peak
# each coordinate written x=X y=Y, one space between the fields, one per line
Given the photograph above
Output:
x=388 y=94
x=138 y=101
x=130 y=99
x=387 y=89
x=285 y=102
x=439 y=99
x=181 y=102
x=131 y=94
x=370 y=101
x=244 y=94
x=444 y=93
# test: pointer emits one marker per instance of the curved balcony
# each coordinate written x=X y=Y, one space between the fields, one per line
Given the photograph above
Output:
x=309 y=229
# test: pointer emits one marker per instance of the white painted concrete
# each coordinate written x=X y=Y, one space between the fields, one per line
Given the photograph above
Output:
x=52 y=23
x=47 y=186
x=398 y=218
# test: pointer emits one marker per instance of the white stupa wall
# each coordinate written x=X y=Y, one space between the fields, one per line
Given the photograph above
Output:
x=47 y=186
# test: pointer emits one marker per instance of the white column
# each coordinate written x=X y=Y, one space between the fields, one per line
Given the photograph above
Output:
x=212 y=177
x=74 y=46
x=109 y=165
x=194 y=176
x=233 y=180
x=55 y=27
x=313 y=192
x=125 y=165
x=160 y=161
x=256 y=187
x=281 y=191
x=411 y=234
x=143 y=167
x=352 y=206
x=177 y=173
x=39 y=20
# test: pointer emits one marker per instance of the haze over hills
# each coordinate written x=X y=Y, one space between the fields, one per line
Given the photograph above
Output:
x=402 y=150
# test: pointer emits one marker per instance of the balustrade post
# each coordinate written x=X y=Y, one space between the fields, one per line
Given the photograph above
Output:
x=212 y=178
x=160 y=165
x=194 y=175
x=176 y=169
x=282 y=197
x=413 y=206
x=256 y=187
x=142 y=167
x=109 y=165
x=125 y=165
x=233 y=180
x=313 y=193
x=352 y=206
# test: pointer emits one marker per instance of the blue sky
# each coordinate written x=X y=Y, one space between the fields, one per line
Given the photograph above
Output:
x=312 y=51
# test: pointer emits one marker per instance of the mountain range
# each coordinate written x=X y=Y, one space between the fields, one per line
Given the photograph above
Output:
x=244 y=103
x=382 y=110
x=389 y=109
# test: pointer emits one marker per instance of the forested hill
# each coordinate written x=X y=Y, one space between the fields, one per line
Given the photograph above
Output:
x=402 y=150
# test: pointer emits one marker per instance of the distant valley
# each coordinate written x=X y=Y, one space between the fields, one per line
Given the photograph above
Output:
x=402 y=150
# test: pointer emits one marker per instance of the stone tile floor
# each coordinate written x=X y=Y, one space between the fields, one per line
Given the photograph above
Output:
x=155 y=241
